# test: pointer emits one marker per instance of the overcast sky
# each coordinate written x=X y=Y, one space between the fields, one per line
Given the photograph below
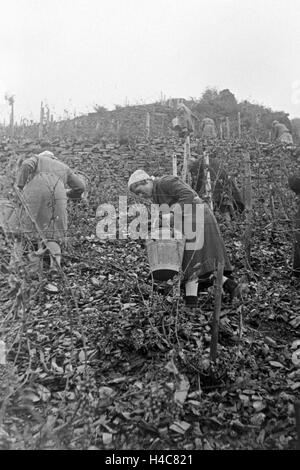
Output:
x=73 y=54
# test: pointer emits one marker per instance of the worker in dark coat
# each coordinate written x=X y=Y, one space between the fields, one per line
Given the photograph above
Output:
x=225 y=193
x=204 y=247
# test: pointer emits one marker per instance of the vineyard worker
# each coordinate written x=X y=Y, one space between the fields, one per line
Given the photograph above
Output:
x=208 y=128
x=185 y=120
x=43 y=180
x=294 y=184
x=281 y=133
x=225 y=193
x=199 y=263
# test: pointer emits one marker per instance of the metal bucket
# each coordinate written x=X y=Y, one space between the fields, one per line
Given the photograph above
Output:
x=6 y=210
x=165 y=254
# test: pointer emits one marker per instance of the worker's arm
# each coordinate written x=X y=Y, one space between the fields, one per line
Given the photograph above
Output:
x=180 y=192
x=28 y=167
x=76 y=184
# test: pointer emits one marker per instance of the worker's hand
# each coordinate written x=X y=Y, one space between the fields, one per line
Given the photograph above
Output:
x=74 y=194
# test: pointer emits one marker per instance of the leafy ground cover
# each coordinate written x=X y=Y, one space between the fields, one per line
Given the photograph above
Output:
x=100 y=357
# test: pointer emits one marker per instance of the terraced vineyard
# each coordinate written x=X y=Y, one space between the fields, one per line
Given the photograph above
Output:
x=108 y=360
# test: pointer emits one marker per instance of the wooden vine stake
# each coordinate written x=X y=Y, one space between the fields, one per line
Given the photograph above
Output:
x=147 y=125
x=217 y=312
x=41 y=121
x=118 y=128
x=174 y=164
x=176 y=285
x=272 y=207
x=11 y=102
x=2 y=352
x=239 y=125
x=47 y=116
x=12 y=119
x=221 y=131
x=208 y=192
x=186 y=156
x=228 y=127
x=248 y=207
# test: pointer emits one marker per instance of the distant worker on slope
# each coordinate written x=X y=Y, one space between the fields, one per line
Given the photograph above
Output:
x=208 y=128
x=184 y=122
x=281 y=133
x=225 y=193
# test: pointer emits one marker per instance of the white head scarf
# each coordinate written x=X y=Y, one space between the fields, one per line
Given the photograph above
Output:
x=137 y=176
x=47 y=153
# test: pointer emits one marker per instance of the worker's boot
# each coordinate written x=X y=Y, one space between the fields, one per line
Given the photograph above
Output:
x=232 y=288
x=191 y=301
x=55 y=258
x=191 y=298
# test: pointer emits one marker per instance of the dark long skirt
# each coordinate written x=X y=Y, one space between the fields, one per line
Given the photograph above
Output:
x=209 y=249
